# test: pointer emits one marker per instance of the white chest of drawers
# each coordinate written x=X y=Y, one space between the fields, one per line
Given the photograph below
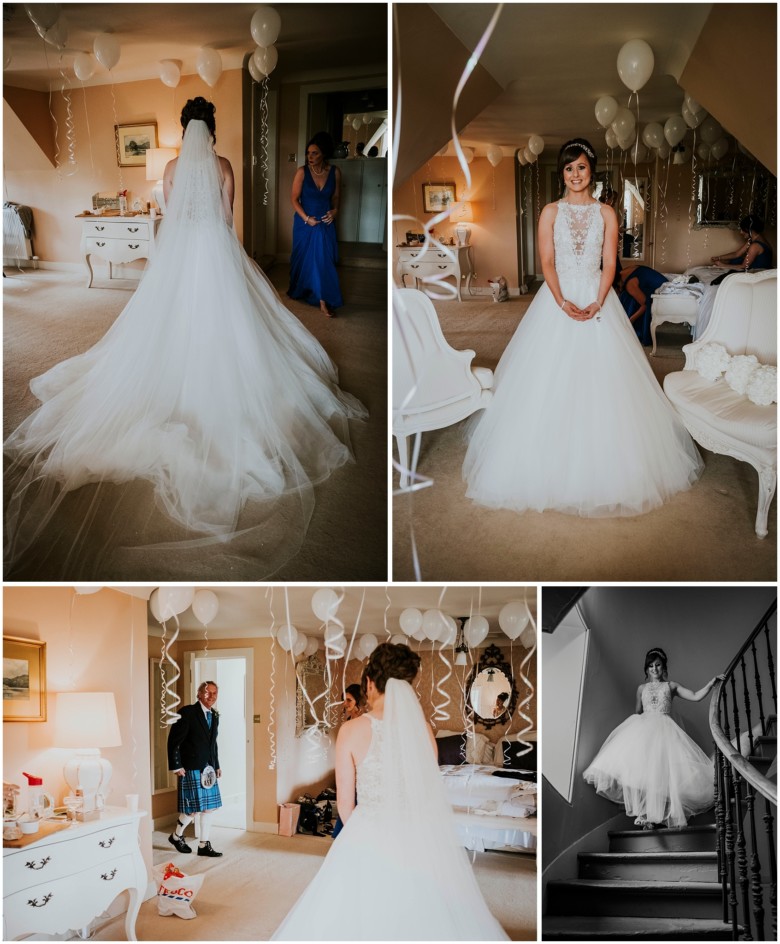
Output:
x=66 y=879
x=435 y=263
x=117 y=239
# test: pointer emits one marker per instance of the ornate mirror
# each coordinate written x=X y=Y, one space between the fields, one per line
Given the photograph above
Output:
x=631 y=216
x=309 y=675
x=491 y=695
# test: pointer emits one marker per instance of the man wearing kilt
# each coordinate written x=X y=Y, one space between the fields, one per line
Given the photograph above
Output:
x=193 y=757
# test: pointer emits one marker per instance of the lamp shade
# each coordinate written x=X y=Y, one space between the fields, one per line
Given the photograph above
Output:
x=462 y=212
x=87 y=720
x=156 y=159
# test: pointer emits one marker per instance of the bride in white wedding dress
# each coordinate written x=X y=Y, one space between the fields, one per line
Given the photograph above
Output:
x=206 y=400
x=578 y=422
x=397 y=871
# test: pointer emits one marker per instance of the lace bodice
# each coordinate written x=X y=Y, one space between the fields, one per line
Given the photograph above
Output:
x=578 y=236
x=657 y=698
x=369 y=770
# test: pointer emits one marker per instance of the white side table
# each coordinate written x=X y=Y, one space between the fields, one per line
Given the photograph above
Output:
x=676 y=309
x=66 y=879
x=422 y=264
x=117 y=239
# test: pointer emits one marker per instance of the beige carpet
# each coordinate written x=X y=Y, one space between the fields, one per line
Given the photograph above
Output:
x=248 y=892
x=49 y=316
x=706 y=533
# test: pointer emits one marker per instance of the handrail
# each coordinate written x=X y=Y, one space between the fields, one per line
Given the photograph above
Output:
x=746 y=770
x=762 y=622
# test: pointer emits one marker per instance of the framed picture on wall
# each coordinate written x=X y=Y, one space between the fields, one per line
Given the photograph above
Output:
x=132 y=143
x=437 y=197
x=24 y=679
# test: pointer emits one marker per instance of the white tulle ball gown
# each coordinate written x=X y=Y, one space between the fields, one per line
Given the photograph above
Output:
x=396 y=872
x=186 y=442
x=578 y=422
x=649 y=765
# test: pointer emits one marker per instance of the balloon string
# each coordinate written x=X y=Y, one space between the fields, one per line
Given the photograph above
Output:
x=53 y=118
x=272 y=709
x=352 y=639
x=162 y=676
x=387 y=607
x=440 y=712
x=264 y=137
x=116 y=133
x=89 y=132
x=692 y=203
x=134 y=750
x=70 y=128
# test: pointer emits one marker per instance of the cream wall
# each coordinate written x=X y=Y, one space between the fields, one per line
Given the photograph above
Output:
x=492 y=194
x=30 y=177
x=88 y=639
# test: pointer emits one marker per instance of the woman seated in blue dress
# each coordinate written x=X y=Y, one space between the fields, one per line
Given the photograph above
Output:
x=315 y=199
x=635 y=287
x=755 y=254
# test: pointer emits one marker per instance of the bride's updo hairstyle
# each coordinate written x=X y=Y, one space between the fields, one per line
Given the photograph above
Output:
x=652 y=655
x=390 y=660
x=570 y=152
x=200 y=110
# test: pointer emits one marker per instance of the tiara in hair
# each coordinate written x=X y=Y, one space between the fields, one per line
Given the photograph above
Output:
x=584 y=148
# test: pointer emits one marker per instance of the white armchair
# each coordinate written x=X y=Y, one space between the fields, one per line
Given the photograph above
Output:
x=744 y=321
x=433 y=384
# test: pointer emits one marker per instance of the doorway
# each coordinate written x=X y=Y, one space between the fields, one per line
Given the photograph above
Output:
x=232 y=671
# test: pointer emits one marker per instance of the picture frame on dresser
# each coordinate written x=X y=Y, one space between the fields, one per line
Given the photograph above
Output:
x=133 y=141
x=24 y=679
x=438 y=197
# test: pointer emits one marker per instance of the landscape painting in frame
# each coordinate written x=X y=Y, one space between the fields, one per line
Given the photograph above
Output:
x=24 y=679
x=132 y=143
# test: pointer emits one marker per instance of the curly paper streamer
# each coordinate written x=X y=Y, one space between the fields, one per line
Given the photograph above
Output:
x=440 y=709
x=692 y=204
x=315 y=744
x=162 y=676
x=134 y=749
x=263 y=143
x=89 y=130
x=272 y=709
x=172 y=700
x=529 y=726
x=387 y=607
x=116 y=127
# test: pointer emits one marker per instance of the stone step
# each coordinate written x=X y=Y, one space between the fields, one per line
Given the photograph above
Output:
x=635 y=899
x=650 y=866
x=612 y=928
x=679 y=839
x=766 y=745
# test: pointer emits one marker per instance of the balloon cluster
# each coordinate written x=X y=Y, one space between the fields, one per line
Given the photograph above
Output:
x=532 y=150
x=169 y=602
x=264 y=27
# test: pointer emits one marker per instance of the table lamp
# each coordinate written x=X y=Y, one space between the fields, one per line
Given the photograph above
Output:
x=460 y=214
x=87 y=721
x=156 y=159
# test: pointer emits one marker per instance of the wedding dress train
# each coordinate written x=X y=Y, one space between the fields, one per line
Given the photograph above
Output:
x=205 y=391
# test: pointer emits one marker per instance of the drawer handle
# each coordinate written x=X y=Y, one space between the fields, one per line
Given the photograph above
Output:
x=100 y=228
x=107 y=876
x=442 y=267
x=99 y=243
x=132 y=229
x=32 y=865
x=133 y=245
x=415 y=266
x=107 y=843
x=34 y=903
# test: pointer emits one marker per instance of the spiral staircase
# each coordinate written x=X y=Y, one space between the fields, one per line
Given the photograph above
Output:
x=715 y=879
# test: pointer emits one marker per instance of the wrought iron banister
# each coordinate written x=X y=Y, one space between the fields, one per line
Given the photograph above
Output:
x=749 y=887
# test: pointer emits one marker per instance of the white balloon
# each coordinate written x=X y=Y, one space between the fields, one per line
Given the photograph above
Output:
x=624 y=123
x=692 y=105
x=368 y=643
x=691 y=119
x=311 y=647
x=719 y=149
x=433 y=624
x=325 y=603
x=365 y=119
x=170 y=73
x=286 y=637
x=174 y=600
x=710 y=130
x=529 y=155
x=84 y=590
x=256 y=74
x=43 y=15
x=626 y=142
x=703 y=150
x=475 y=630
x=83 y=66
x=355 y=123
x=410 y=620
x=536 y=144
x=653 y=134
x=106 y=49
x=205 y=606
x=399 y=640
x=495 y=155
x=611 y=138
x=468 y=153
x=674 y=129
x=521 y=158
x=528 y=636
x=334 y=633
x=209 y=65
x=635 y=63
x=450 y=633
x=265 y=26
x=300 y=644
x=56 y=35
x=606 y=109
x=154 y=606
x=639 y=152
x=664 y=151
x=266 y=59
x=419 y=634
x=513 y=618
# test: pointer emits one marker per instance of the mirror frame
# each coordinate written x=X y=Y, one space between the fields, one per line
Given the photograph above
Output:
x=315 y=667
x=491 y=658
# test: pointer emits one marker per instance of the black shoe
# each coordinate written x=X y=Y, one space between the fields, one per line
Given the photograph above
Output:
x=206 y=850
x=178 y=843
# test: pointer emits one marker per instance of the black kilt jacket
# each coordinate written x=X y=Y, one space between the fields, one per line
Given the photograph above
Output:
x=191 y=744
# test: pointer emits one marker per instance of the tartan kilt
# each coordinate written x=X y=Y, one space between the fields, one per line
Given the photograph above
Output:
x=193 y=797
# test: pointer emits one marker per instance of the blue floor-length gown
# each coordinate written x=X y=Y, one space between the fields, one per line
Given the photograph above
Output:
x=649 y=281
x=313 y=276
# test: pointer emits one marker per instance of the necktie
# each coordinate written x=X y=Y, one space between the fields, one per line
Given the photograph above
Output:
x=208 y=719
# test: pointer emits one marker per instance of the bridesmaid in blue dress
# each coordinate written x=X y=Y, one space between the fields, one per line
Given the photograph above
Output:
x=636 y=287
x=755 y=254
x=315 y=199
